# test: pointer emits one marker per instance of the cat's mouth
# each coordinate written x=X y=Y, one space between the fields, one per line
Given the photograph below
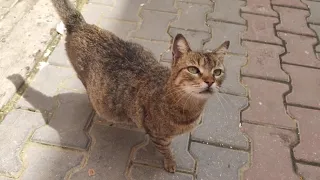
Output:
x=207 y=91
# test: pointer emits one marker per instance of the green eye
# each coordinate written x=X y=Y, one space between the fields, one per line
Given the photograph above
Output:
x=193 y=70
x=217 y=72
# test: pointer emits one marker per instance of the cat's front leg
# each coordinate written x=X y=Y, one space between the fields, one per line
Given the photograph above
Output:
x=163 y=146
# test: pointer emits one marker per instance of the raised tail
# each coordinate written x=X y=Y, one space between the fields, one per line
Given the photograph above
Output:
x=69 y=15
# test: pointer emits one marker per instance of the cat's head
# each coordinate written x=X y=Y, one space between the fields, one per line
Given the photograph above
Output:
x=197 y=73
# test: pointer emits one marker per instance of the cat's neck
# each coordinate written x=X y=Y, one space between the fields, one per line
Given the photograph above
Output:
x=185 y=103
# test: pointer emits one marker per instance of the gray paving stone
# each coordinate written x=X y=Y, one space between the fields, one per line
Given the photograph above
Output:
x=139 y=172
x=195 y=13
x=40 y=94
x=221 y=121
x=148 y=154
x=45 y=162
x=66 y=127
x=314 y=11
x=15 y=130
x=119 y=28
x=164 y=5
x=232 y=83
x=227 y=10
x=156 y=47
x=126 y=10
x=224 y=31
x=59 y=55
x=109 y=153
x=316 y=28
x=92 y=13
x=73 y=84
x=218 y=163
x=154 y=25
x=196 y=39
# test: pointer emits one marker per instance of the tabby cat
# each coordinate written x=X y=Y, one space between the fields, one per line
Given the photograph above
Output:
x=125 y=82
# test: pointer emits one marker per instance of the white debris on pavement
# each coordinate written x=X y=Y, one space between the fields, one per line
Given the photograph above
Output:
x=60 y=28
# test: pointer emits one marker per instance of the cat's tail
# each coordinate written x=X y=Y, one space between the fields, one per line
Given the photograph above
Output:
x=69 y=15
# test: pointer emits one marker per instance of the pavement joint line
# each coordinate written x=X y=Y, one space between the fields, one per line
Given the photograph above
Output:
x=291 y=7
x=261 y=42
x=156 y=10
x=301 y=161
x=219 y=144
x=225 y=21
x=151 y=40
x=258 y=14
x=265 y=78
x=300 y=65
x=191 y=2
x=299 y=34
x=191 y=154
x=303 y=106
x=268 y=125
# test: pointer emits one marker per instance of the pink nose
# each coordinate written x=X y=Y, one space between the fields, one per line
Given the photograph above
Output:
x=209 y=82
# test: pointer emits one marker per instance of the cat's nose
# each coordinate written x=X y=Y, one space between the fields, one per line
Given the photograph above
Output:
x=209 y=82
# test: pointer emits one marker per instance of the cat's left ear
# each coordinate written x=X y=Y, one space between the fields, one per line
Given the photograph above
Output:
x=222 y=49
x=180 y=46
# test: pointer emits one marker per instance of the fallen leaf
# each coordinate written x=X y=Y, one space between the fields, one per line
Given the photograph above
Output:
x=91 y=172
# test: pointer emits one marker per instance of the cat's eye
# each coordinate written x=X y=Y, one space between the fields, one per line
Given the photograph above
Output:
x=217 y=72
x=193 y=70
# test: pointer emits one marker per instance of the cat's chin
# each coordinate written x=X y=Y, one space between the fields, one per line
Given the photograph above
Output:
x=203 y=95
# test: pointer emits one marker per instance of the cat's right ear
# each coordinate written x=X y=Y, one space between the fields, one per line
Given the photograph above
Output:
x=180 y=46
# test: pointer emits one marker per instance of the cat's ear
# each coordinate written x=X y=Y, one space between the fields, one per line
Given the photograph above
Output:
x=180 y=46
x=222 y=49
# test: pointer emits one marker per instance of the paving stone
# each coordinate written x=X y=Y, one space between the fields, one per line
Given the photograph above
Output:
x=314 y=12
x=308 y=171
x=45 y=162
x=156 y=47
x=262 y=7
x=92 y=13
x=316 y=28
x=264 y=61
x=260 y=28
x=218 y=163
x=109 y=153
x=220 y=122
x=139 y=172
x=300 y=50
x=15 y=130
x=59 y=55
x=73 y=84
x=227 y=10
x=308 y=119
x=226 y=32
x=119 y=28
x=164 y=5
x=267 y=105
x=148 y=154
x=196 y=39
x=195 y=13
x=293 y=20
x=104 y=2
x=305 y=86
x=291 y=3
x=154 y=30
x=270 y=149
x=66 y=127
x=126 y=10
x=232 y=83
x=40 y=93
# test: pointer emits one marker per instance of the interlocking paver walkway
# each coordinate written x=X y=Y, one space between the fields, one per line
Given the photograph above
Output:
x=263 y=125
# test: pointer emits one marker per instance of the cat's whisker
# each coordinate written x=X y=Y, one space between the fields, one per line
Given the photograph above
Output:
x=181 y=98
x=186 y=102
x=228 y=103
x=225 y=112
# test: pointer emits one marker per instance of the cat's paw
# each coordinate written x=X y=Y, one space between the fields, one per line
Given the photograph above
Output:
x=170 y=165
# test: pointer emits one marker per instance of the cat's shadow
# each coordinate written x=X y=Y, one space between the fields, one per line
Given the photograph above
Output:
x=68 y=122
